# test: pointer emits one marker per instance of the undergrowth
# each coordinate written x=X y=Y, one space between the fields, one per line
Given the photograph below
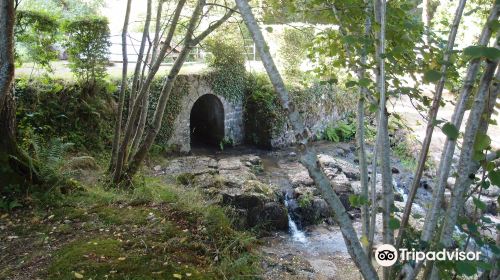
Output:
x=153 y=231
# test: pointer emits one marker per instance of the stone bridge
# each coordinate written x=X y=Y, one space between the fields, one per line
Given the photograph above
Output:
x=206 y=118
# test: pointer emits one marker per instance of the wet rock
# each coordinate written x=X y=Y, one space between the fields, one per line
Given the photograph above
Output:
x=292 y=154
x=426 y=184
x=297 y=174
x=398 y=197
x=236 y=178
x=356 y=186
x=450 y=182
x=308 y=211
x=157 y=168
x=195 y=165
x=206 y=181
x=350 y=170
x=303 y=190
x=341 y=183
x=229 y=164
x=492 y=191
x=253 y=159
x=274 y=215
x=256 y=203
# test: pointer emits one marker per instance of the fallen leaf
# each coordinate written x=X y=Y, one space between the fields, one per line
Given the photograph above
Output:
x=78 y=275
x=177 y=276
x=122 y=258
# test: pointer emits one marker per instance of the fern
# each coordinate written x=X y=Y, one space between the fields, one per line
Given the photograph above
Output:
x=50 y=156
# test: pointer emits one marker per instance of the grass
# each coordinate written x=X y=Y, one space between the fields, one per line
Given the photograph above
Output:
x=154 y=231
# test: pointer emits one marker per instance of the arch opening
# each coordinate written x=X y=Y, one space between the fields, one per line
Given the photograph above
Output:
x=207 y=121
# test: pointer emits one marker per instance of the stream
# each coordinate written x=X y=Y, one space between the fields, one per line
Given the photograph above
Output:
x=307 y=250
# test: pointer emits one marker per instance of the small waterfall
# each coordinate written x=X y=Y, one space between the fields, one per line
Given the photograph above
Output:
x=297 y=234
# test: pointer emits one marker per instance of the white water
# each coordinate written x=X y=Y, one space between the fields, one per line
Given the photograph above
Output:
x=297 y=234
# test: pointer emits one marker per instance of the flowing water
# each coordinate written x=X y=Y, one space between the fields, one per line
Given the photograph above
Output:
x=297 y=235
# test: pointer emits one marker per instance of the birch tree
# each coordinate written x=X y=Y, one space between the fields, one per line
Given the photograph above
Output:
x=135 y=140
x=309 y=157
x=456 y=120
x=432 y=115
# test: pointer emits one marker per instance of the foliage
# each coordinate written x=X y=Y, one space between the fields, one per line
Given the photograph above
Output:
x=59 y=109
x=264 y=118
x=293 y=51
x=184 y=235
x=67 y=9
x=228 y=61
x=49 y=153
x=172 y=109
x=341 y=131
x=35 y=35
x=88 y=45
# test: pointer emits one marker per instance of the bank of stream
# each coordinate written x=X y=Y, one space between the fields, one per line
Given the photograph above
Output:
x=303 y=241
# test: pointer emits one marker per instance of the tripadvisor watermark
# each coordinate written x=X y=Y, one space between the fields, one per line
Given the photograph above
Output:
x=387 y=255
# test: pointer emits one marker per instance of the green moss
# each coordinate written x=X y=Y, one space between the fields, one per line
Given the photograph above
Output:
x=119 y=216
x=102 y=258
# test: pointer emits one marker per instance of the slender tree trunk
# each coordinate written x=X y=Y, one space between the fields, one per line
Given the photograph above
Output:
x=466 y=162
x=430 y=125
x=426 y=19
x=189 y=43
x=138 y=80
x=360 y=129
x=156 y=40
x=360 y=115
x=449 y=146
x=118 y=170
x=309 y=159
x=123 y=89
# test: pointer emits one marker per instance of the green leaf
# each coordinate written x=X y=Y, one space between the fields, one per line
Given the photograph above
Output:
x=350 y=84
x=269 y=29
x=450 y=130
x=431 y=76
x=465 y=268
x=482 y=142
x=494 y=177
x=482 y=51
x=479 y=204
x=364 y=82
x=394 y=223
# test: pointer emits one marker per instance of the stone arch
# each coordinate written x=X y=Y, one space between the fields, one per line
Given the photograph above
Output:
x=198 y=86
x=206 y=121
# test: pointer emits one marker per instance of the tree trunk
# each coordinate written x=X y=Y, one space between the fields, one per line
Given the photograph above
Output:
x=466 y=162
x=132 y=118
x=449 y=146
x=189 y=43
x=309 y=159
x=431 y=121
x=14 y=163
x=123 y=90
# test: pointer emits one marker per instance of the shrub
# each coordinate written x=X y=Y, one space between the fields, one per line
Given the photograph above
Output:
x=35 y=35
x=294 y=51
x=264 y=116
x=88 y=48
x=341 y=131
x=227 y=59
x=58 y=109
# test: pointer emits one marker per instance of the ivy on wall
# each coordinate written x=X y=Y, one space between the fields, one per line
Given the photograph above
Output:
x=173 y=108
x=227 y=60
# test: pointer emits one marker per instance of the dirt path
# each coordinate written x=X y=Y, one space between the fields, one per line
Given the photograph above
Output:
x=404 y=107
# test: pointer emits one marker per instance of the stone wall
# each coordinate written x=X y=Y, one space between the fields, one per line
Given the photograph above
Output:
x=316 y=121
x=198 y=86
